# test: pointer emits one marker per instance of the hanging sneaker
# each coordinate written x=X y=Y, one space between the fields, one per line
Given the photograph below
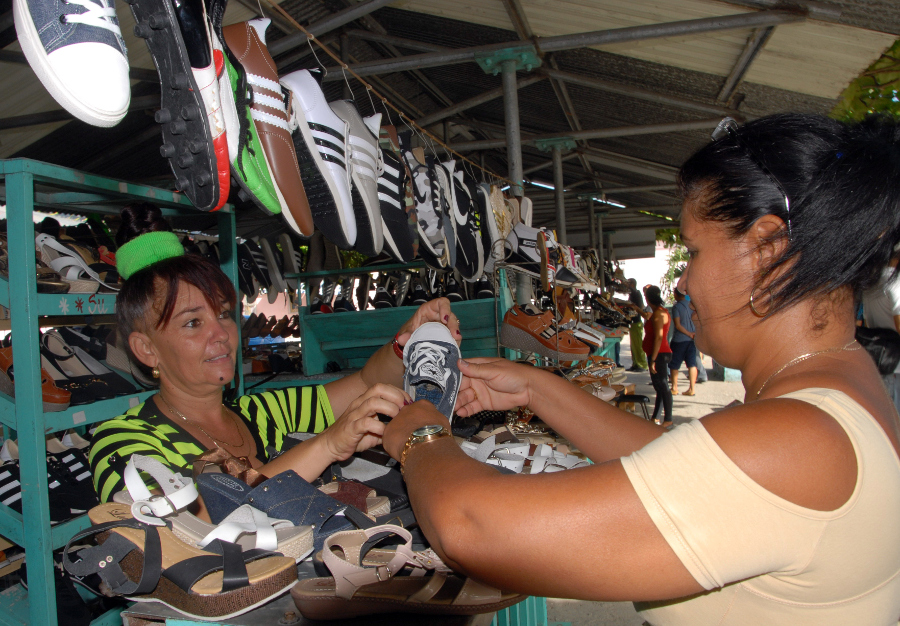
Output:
x=398 y=237
x=365 y=167
x=76 y=50
x=398 y=206
x=208 y=67
x=469 y=249
x=249 y=169
x=258 y=265
x=524 y=252
x=320 y=140
x=247 y=43
x=432 y=371
x=293 y=260
x=442 y=200
x=493 y=244
x=177 y=46
x=430 y=223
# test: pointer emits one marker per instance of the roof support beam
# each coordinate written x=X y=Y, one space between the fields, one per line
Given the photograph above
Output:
x=567 y=42
x=61 y=115
x=331 y=22
x=600 y=133
x=401 y=42
x=754 y=45
x=632 y=164
x=609 y=191
x=474 y=101
x=546 y=164
x=641 y=94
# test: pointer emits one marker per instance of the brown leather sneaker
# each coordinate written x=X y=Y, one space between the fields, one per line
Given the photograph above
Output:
x=529 y=329
x=247 y=42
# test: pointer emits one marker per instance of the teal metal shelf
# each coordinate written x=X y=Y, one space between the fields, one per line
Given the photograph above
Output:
x=24 y=186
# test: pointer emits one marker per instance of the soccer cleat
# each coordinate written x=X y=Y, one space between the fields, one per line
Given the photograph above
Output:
x=177 y=46
x=247 y=43
x=432 y=370
x=320 y=140
x=207 y=76
x=77 y=52
x=364 y=156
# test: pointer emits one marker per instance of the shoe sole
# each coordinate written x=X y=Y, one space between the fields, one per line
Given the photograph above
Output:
x=518 y=339
x=187 y=139
x=37 y=59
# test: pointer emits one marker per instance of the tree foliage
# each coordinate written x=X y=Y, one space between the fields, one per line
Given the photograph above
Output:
x=677 y=261
x=876 y=90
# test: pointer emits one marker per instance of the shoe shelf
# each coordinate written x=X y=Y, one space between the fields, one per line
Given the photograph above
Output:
x=24 y=186
x=349 y=339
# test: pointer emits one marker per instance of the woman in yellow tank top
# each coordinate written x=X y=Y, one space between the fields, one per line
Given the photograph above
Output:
x=779 y=511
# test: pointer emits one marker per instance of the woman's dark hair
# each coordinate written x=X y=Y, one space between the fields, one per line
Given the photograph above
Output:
x=135 y=302
x=843 y=182
x=654 y=296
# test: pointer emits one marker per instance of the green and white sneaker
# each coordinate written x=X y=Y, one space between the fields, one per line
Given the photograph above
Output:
x=248 y=162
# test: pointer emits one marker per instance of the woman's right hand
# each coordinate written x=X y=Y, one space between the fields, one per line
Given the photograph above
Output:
x=359 y=428
x=492 y=385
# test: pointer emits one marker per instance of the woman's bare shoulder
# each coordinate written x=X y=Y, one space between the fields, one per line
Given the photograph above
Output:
x=789 y=447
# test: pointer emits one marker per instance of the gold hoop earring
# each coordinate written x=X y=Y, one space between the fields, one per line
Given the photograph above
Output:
x=753 y=304
x=155 y=370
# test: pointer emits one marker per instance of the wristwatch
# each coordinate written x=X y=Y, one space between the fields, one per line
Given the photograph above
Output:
x=422 y=435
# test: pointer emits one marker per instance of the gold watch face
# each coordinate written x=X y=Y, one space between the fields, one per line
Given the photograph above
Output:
x=424 y=431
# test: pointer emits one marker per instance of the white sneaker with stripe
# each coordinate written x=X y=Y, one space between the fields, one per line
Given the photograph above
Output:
x=365 y=167
x=321 y=141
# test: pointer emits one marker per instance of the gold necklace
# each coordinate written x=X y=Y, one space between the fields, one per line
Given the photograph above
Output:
x=804 y=357
x=203 y=430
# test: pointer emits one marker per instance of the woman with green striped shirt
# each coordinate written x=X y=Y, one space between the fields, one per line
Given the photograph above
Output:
x=178 y=314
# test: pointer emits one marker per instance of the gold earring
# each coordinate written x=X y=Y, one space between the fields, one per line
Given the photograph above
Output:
x=155 y=370
x=753 y=304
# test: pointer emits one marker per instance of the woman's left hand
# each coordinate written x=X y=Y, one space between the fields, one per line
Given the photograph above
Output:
x=437 y=310
x=416 y=415
x=359 y=428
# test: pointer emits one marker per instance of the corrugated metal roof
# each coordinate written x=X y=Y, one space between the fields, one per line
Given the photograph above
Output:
x=811 y=57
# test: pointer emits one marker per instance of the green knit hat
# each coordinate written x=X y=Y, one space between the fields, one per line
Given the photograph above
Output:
x=145 y=250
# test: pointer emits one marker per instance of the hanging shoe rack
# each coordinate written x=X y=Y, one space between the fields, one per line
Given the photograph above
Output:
x=24 y=186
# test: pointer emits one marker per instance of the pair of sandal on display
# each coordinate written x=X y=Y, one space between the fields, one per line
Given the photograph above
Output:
x=503 y=449
x=151 y=550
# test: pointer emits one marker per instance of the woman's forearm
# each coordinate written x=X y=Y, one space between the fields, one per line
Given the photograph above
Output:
x=597 y=428
x=308 y=458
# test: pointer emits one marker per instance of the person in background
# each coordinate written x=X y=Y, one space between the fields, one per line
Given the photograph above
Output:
x=881 y=309
x=658 y=351
x=636 y=331
x=682 y=344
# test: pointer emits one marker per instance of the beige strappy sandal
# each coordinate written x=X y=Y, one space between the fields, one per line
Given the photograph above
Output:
x=371 y=583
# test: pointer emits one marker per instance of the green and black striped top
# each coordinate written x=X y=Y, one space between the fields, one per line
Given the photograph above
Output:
x=270 y=416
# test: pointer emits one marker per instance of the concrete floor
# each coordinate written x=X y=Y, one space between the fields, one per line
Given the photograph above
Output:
x=710 y=396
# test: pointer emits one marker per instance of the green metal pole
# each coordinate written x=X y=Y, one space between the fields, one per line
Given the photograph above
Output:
x=29 y=404
x=229 y=263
